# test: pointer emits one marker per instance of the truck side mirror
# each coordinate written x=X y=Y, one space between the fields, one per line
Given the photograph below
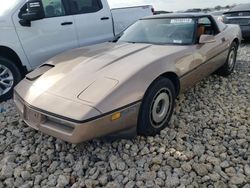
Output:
x=31 y=11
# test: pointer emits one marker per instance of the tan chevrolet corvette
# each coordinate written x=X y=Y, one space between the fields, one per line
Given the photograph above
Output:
x=130 y=82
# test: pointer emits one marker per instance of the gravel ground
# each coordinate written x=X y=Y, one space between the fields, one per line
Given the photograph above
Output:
x=206 y=145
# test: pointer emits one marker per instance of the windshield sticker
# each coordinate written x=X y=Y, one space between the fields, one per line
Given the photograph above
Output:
x=181 y=20
x=177 y=41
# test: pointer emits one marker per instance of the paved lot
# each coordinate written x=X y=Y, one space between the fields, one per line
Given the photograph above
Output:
x=206 y=145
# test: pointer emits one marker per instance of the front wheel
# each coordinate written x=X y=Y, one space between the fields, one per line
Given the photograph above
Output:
x=9 y=77
x=229 y=65
x=156 y=108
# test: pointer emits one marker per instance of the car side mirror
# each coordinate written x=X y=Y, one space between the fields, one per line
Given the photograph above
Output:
x=33 y=10
x=204 y=39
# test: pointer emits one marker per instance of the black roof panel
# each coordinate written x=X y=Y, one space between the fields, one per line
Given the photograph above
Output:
x=177 y=15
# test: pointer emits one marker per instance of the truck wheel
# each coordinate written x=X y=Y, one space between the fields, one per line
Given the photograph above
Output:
x=229 y=65
x=9 y=77
x=156 y=108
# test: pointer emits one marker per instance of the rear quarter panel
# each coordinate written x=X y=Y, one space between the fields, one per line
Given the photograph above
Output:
x=232 y=32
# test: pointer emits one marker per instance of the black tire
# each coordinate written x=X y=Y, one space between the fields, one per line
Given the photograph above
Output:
x=6 y=63
x=161 y=87
x=228 y=67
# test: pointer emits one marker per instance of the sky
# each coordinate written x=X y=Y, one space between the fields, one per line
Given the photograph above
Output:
x=173 y=5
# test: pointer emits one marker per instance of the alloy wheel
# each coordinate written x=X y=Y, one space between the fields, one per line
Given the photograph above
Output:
x=6 y=80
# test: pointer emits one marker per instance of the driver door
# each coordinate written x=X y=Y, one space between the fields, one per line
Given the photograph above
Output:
x=211 y=55
x=50 y=36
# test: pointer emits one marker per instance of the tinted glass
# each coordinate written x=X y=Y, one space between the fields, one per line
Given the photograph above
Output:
x=85 y=6
x=53 y=8
x=160 y=31
x=204 y=21
x=7 y=6
x=221 y=25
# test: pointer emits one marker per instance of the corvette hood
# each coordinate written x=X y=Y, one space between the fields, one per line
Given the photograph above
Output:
x=74 y=71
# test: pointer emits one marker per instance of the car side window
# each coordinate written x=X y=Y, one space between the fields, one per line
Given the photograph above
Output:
x=53 y=8
x=206 y=26
x=85 y=6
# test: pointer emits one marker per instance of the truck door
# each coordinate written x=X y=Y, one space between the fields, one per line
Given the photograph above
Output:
x=93 y=21
x=50 y=36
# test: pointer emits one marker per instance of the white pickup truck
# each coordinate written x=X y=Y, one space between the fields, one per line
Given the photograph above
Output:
x=33 y=31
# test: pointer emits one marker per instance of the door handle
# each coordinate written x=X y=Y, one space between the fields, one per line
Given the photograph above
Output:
x=66 y=23
x=105 y=18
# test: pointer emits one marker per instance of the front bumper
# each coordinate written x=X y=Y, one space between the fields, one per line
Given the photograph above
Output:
x=76 y=131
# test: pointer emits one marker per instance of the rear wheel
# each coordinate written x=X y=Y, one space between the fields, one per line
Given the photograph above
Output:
x=9 y=77
x=156 y=108
x=229 y=65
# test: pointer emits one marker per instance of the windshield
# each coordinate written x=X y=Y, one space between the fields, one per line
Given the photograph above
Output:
x=7 y=5
x=160 y=31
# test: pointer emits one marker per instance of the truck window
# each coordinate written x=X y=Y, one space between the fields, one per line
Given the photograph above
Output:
x=53 y=8
x=85 y=6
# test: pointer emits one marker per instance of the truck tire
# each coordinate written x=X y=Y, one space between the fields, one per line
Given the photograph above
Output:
x=156 y=108
x=9 y=76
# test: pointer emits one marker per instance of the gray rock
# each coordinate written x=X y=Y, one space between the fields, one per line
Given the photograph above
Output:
x=38 y=179
x=247 y=169
x=35 y=158
x=132 y=174
x=186 y=167
x=173 y=162
x=7 y=171
x=146 y=176
x=62 y=181
x=230 y=171
x=9 y=182
x=121 y=166
x=200 y=169
x=18 y=182
x=157 y=160
x=172 y=182
x=27 y=185
x=53 y=167
x=149 y=184
x=220 y=184
x=225 y=164
x=235 y=180
x=90 y=183
x=246 y=186
x=130 y=184
x=103 y=180
x=159 y=182
x=214 y=177
x=52 y=179
x=25 y=175
x=113 y=185
x=161 y=175
x=199 y=149
x=145 y=151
